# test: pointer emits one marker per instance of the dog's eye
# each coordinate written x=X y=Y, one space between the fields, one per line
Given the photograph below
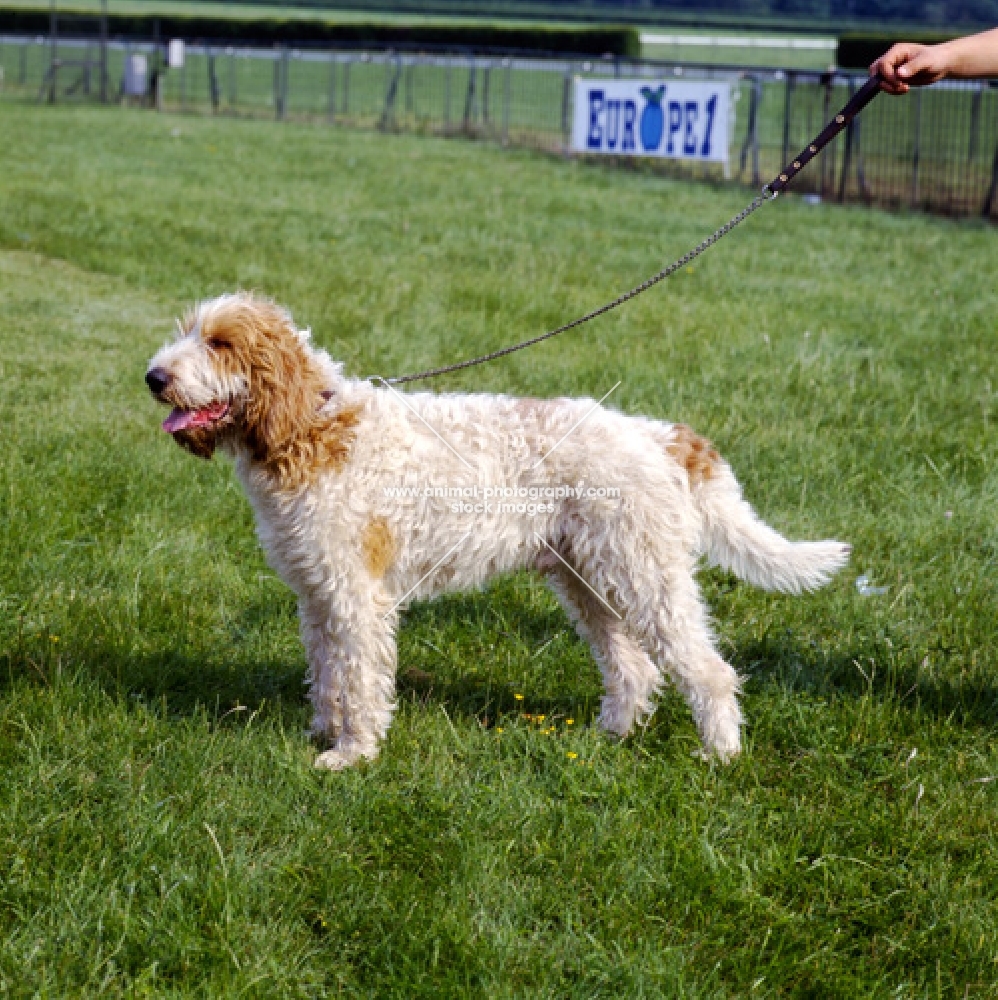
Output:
x=218 y=344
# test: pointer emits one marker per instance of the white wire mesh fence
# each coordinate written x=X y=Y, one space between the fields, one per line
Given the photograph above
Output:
x=936 y=149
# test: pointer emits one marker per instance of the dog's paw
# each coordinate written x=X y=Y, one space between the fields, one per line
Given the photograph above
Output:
x=716 y=755
x=721 y=734
x=341 y=757
x=332 y=760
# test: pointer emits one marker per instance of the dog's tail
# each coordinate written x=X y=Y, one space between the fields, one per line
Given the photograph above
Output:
x=733 y=536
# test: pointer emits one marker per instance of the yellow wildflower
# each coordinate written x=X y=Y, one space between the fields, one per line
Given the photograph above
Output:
x=571 y=756
x=518 y=697
x=569 y=722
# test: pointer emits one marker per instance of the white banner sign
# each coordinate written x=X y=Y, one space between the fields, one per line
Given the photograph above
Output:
x=175 y=54
x=136 y=75
x=685 y=119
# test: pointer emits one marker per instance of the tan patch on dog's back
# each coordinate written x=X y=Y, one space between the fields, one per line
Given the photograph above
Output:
x=693 y=453
x=377 y=546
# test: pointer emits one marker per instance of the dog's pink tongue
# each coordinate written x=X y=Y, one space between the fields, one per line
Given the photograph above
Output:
x=178 y=420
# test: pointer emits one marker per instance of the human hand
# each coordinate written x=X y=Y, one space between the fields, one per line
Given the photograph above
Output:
x=908 y=64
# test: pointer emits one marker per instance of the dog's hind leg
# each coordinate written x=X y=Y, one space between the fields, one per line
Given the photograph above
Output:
x=671 y=621
x=630 y=678
x=352 y=658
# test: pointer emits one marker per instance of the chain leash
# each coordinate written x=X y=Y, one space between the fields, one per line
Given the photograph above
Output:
x=771 y=191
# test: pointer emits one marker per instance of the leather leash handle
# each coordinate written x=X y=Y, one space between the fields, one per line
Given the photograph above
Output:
x=857 y=102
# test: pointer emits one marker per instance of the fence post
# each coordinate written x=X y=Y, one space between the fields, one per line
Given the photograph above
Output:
x=864 y=191
x=285 y=80
x=346 y=87
x=331 y=109
x=916 y=148
x=787 y=102
x=158 y=78
x=212 y=82
x=506 y=88
x=566 y=105
x=53 y=53
x=388 y=88
x=975 y=125
x=469 y=100
x=447 y=72
x=279 y=82
x=103 y=52
x=486 y=79
x=827 y=79
x=183 y=82
x=277 y=86
x=24 y=65
x=752 y=131
x=755 y=134
x=391 y=91
x=847 y=157
x=233 y=95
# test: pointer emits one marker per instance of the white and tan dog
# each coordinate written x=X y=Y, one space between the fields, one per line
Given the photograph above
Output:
x=366 y=498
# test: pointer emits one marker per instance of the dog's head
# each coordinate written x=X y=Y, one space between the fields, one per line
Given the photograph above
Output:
x=241 y=374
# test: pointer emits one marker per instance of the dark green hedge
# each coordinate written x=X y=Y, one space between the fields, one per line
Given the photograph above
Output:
x=856 y=50
x=621 y=41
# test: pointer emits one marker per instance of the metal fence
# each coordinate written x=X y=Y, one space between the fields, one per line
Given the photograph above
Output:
x=936 y=149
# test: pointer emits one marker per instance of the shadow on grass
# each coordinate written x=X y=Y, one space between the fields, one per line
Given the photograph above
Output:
x=874 y=668
x=467 y=677
x=489 y=647
x=178 y=684
x=776 y=661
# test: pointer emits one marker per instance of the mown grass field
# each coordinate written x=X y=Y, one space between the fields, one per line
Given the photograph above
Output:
x=162 y=831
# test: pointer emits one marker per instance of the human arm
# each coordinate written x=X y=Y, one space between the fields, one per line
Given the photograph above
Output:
x=909 y=64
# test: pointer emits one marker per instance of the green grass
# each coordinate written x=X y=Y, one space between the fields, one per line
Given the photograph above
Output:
x=162 y=832
x=735 y=54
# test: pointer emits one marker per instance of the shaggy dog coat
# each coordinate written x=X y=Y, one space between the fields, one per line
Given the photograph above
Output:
x=366 y=499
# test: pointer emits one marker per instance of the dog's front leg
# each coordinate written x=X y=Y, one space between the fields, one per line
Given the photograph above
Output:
x=351 y=652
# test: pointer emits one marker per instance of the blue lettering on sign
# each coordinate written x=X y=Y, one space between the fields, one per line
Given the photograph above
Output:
x=612 y=124
x=711 y=109
x=675 y=122
x=690 y=139
x=618 y=124
x=594 y=139
x=630 y=114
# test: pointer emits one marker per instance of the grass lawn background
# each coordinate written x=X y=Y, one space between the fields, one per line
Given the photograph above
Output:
x=162 y=831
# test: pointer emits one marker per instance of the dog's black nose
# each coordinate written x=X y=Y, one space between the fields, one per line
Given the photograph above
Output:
x=157 y=379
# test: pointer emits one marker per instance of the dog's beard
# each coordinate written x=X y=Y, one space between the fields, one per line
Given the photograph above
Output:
x=200 y=441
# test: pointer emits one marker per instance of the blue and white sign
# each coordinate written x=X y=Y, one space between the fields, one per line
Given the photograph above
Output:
x=681 y=119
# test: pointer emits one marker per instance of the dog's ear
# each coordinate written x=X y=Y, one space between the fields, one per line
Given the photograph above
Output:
x=284 y=385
